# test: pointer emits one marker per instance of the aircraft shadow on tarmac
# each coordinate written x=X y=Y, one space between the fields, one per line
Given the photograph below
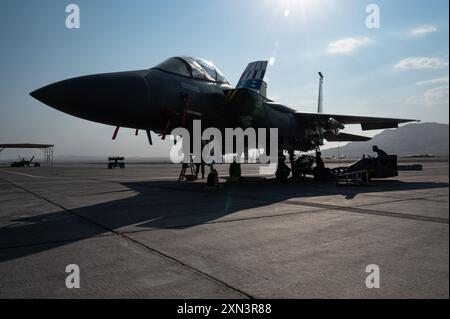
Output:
x=169 y=205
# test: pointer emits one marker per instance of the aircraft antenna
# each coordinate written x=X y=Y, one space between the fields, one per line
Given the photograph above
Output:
x=320 y=104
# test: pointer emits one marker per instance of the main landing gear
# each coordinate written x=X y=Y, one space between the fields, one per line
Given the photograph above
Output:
x=283 y=171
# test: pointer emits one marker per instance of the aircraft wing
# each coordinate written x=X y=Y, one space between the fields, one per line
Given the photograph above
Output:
x=367 y=123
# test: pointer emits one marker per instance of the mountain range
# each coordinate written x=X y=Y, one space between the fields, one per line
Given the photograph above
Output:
x=408 y=140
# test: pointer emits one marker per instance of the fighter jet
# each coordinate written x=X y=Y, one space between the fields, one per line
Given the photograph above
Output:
x=23 y=162
x=182 y=89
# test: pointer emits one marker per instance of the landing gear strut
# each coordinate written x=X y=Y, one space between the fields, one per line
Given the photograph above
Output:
x=235 y=172
x=294 y=165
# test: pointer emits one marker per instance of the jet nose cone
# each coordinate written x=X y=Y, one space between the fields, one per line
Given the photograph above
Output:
x=38 y=95
x=101 y=98
x=47 y=94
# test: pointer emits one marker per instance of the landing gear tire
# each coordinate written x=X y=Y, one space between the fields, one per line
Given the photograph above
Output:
x=235 y=172
x=283 y=171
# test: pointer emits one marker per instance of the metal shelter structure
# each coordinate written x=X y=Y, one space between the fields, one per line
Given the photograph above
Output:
x=47 y=149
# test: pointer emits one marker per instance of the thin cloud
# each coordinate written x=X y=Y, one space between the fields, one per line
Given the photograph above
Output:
x=423 y=30
x=347 y=45
x=417 y=63
x=433 y=81
x=437 y=95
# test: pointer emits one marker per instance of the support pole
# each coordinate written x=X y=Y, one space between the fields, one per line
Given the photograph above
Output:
x=149 y=136
x=115 y=132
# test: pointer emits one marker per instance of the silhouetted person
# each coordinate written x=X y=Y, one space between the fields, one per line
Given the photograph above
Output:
x=197 y=169
x=213 y=178
x=319 y=161
x=380 y=152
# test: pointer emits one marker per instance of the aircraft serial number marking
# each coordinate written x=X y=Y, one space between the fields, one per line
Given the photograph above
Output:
x=226 y=308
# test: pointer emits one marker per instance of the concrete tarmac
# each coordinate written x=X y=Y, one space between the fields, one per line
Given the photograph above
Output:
x=138 y=233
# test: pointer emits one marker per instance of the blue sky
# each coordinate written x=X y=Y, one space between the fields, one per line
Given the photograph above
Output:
x=399 y=70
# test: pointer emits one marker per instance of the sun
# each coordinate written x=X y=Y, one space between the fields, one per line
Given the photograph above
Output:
x=289 y=7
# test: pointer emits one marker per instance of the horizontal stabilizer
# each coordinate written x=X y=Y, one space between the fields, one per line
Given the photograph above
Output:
x=367 y=123
x=344 y=137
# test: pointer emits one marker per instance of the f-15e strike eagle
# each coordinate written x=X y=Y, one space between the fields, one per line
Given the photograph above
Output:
x=183 y=89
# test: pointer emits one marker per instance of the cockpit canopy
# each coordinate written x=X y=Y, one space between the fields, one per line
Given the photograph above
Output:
x=194 y=68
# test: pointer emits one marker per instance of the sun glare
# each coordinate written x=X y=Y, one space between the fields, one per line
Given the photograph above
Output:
x=287 y=8
x=293 y=5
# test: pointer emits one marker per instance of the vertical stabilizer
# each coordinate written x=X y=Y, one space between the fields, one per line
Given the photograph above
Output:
x=253 y=77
